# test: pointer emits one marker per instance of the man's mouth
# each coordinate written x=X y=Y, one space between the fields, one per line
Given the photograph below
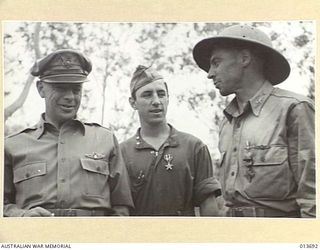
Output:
x=156 y=111
x=217 y=83
x=67 y=106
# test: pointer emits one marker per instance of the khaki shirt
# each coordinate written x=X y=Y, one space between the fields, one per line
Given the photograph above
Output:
x=268 y=152
x=78 y=166
x=171 y=181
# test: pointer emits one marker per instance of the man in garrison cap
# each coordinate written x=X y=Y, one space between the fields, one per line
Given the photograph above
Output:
x=170 y=171
x=63 y=166
x=267 y=136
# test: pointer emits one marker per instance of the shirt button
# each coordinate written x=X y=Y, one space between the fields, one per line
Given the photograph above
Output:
x=98 y=168
x=63 y=159
x=232 y=173
x=234 y=149
x=27 y=175
x=62 y=142
x=63 y=180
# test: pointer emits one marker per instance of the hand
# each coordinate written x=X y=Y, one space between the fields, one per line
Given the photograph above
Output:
x=121 y=210
x=37 y=212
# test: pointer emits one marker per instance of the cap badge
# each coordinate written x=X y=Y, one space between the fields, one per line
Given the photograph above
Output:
x=66 y=62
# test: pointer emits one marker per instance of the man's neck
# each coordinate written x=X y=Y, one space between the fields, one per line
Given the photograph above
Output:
x=56 y=124
x=155 y=135
x=248 y=90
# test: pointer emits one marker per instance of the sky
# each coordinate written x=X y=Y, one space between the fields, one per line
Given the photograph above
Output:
x=179 y=114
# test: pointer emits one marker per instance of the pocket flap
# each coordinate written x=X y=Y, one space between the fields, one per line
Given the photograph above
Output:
x=29 y=171
x=270 y=156
x=96 y=166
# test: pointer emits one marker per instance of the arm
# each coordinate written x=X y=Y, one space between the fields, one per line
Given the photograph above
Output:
x=121 y=199
x=207 y=188
x=209 y=207
x=301 y=146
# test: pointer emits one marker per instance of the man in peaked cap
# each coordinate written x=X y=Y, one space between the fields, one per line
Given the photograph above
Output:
x=267 y=136
x=62 y=166
x=170 y=171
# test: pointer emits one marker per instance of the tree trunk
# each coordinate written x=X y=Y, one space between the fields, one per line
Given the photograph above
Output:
x=18 y=103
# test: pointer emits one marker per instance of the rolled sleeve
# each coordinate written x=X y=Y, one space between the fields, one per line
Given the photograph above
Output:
x=205 y=183
x=301 y=136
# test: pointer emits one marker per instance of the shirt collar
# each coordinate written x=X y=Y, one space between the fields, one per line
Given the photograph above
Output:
x=172 y=140
x=256 y=102
x=43 y=124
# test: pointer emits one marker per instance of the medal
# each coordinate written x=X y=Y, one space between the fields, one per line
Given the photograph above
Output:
x=248 y=162
x=250 y=173
x=168 y=158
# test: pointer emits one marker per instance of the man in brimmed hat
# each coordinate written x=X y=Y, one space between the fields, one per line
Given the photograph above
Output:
x=170 y=171
x=62 y=166
x=267 y=137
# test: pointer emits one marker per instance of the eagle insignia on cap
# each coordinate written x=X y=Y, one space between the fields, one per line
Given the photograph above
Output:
x=66 y=62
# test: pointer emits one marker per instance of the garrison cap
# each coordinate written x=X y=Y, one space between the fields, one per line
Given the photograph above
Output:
x=143 y=76
x=277 y=68
x=62 y=66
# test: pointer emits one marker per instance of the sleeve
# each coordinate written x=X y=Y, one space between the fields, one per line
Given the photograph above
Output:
x=205 y=183
x=301 y=149
x=10 y=209
x=119 y=179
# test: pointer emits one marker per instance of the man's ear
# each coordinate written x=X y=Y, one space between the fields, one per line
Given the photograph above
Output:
x=40 y=88
x=246 y=57
x=132 y=103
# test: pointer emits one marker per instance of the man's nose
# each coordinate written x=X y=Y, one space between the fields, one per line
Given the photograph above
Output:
x=68 y=94
x=211 y=73
x=155 y=100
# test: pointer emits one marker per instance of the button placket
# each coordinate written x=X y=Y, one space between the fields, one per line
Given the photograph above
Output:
x=230 y=185
x=63 y=171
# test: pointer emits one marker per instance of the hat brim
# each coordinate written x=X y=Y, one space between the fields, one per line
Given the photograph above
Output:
x=277 y=68
x=65 y=78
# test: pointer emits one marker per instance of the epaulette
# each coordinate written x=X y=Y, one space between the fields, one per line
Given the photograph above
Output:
x=34 y=127
x=97 y=124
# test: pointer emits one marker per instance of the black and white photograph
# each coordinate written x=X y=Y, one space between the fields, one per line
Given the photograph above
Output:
x=159 y=119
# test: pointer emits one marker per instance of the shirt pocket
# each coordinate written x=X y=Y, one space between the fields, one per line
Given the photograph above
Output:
x=29 y=182
x=271 y=173
x=96 y=173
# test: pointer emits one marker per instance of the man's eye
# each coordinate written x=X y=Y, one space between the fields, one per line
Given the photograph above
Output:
x=215 y=64
x=146 y=95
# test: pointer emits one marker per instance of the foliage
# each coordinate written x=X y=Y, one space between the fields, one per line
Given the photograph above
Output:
x=116 y=49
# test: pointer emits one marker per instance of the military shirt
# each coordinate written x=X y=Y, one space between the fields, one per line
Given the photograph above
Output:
x=78 y=166
x=171 y=181
x=268 y=152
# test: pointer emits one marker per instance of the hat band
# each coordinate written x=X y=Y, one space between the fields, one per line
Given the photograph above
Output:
x=64 y=78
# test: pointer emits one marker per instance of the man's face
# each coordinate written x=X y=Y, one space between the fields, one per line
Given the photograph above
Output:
x=151 y=102
x=226 y=70
x=62 y=100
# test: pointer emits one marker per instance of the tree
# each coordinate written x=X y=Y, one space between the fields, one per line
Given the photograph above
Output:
x=116 y=49
x=17 y=104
